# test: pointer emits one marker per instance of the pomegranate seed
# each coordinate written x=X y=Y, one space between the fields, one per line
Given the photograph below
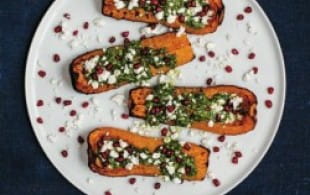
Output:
x=125 y=34
x=157 y=185
x=67 y=16
x=136 y=66
x=107 y=193
x=85 y=104
x=67 y=102
x=39 y=120
x=72 y=113
x=40 y=103
x=228 y=69
x=202 y=58
x=85 y=25
x=132 y=180
x=42 y=73
x=255 y=70
x=164 y=131
x=80 y=139
x=125 y=116
x=154 y=2
x=75 y=33
x=58 y=100
x=58 y=29
x=270 y=90
x=64 y=153
x=221 y=138
x=56 y=58
x=209 y=81
x=248 y=10
x=234 y=160
x=268 y=103
x=170 y=108
x=234 y=51
x=211 y=54
x=240 y=17
x=251 y=56
x=61 y=129
x=187 y=146
x=182 y=18
x=238 y=154
x=216 y=182
x=112 y=39
x=216 y=149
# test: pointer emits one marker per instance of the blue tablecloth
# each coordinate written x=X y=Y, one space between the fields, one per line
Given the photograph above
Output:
x=24 y=169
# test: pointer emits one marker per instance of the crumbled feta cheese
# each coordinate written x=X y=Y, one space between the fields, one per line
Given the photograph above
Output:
x=99 y=22
x=91 y=63
x=181 y=31
x=95 y=84
x=132 y=4
x=159 y=15
x=119 y=99
x=123 y=144
x=104 y=76
x=52 y=138
x=112 y=79
x=210 y=45
x=149 y=97
x=210 y=123
x=156 y=155
x=114 y=154
x=139 y=70
x=170 y=169
x=119 y=4
x=143 y=155
x=129 y=166
x=236 y=101
x=177 y=180
x=171 y=18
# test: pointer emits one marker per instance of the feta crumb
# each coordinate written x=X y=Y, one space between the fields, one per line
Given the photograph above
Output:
x=99 y=22
x=210 y=45
x=52 y=138
x=119 y=99
x=181 y=31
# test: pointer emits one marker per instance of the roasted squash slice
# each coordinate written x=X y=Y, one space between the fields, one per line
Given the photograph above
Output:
x=137 y=108
x=199 y=154
x=140 y=15
x=178 y=46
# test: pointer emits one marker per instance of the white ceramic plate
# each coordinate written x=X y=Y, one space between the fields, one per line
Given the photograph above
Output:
x=260 y=38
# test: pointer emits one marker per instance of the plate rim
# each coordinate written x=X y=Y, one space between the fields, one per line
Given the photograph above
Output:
x=34 y=43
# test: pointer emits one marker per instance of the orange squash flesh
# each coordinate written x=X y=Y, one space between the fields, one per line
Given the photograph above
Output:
x=140 y=15
x=137 y=108
x=176 y=45
x=199 y=153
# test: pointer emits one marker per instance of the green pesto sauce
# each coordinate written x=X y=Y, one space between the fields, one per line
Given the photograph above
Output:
x=129 y=63
x=186 y=108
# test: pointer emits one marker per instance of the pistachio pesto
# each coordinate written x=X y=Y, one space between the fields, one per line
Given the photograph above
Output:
x=170 y=157
x=194 y=13
x=130 y=63
x=164 y=105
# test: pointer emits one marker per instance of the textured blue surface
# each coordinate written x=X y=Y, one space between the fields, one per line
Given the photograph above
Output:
x=24 y=169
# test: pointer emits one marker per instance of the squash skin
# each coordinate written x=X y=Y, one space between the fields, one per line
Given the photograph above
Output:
x=137 y=108
x=109 y=9
x=199 y=153
x=179 y=46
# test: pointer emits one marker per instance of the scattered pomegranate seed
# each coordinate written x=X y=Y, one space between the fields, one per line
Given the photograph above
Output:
x=56 y=58
x=255 y=70
x=216 y=149
x=238 y=154
x=125 y=34
x=251 y=56
x=248 y=9
x=216 y=182
x=85 y=25
x=125 y=116
x=234 y=51
x=42 y=73
x=187 y=146
x=234 y=160
x=61 y=129
x=209 y=81
x=170 y=108
x=67 y=102
x=202 y=58
x=75 y=33
x=268 y=103
x=40 y=103
x=72 y=113
x=270 y=90
x=157 y=185
x=107 y=193
x=85 y=104
x=58 y=100
x=58 y=29
x=211 y=54
x=240 y=17
x=64 y=153
x=164 y=131
x=137 y=65
x=39 y=120
x=221 y=138
x=228 y=69
x=112 y=39
x=67 y=16
x=132 y=180
x=80 y=139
